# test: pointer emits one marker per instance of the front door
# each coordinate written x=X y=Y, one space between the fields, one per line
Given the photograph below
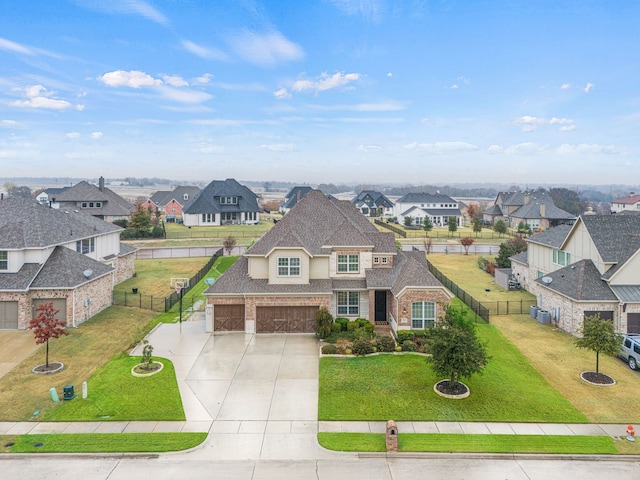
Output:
x=381 y=306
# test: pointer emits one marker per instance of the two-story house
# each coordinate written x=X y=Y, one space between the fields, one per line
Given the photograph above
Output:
x=222 y=202
x=436 y=206
x=590 y=267
x=172 y=202
x=536 y=209
x=293 y=197
x=324 y=253
x=98 y=201
x=630 y=203
x=372 y=203
x=61 y=256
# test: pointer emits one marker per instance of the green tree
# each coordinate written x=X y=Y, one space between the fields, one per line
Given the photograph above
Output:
x=568 y=200
x=455 y=350
x=408 y=220
x=508 y=249
x=476 y=225
x=500 y=227
x=453 y=224
x=599 y=336
x=45 y=325
x=140 y=221
x=427 y=224
x=324 y=319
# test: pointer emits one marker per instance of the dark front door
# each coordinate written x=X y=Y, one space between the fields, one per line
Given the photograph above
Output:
x=381 y=306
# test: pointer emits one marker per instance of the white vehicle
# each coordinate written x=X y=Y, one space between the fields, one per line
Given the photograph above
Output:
x=630 y=350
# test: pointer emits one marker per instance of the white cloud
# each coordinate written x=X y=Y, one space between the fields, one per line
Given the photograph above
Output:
x=11 y=124
x=183 y=96
x=281 y=94
x=203 y=79
x=73 y=135
x=568 y=128
x=15 y=47
x=588 y=87
x=368 y=148
x=529 y=123
x=132 y=79
x=38 y=97
x=439 y=148
x=565 y=86
x=370 y=9
x=325 y=82
x=454 y=86
x=280 y=147
x=96 y=135
x=175 y=81
x=527 y=148
x=204 y=52
x=389 y=74
x=127 y=7
x=266 y=50
x=495 y=149
x=586 y=148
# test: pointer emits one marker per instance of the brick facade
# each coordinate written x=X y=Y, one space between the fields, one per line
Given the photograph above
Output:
x=402 y=305
x=124 y=268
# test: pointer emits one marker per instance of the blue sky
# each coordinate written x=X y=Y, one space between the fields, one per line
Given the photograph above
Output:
x=367 y=91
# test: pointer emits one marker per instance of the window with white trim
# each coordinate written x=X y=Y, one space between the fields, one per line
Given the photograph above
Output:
x=423 y=315
x=376 y=260
x=289 y=266
x=348 y=263
x=229 y=200
x=4 y=260
x=562 y=258
x=348 y=303
x=229 y=216
x=208 y=218
x=384 y=260
x=86 y=245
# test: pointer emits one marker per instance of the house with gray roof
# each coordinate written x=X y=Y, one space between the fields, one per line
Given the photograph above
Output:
x=49 y=194
x=438 y=207
x=372 y=203
x=630 y=203
x=534 y=208
x=324 y=253
x=57 y=255
x=590 y=267
x=222 y=202
x=98 y=201
x=172 y=202
x=293 y=197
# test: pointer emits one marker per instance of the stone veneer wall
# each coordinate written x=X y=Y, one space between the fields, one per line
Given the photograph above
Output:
x=124 y=268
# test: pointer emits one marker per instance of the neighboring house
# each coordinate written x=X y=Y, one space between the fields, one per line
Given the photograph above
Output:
x=630 y=203
x=222 y=202
x=436 y=206
x=324 y=253
x=590 y=267
x=100 y=202
x=60 y=256
x=293 y=197
x=49 y=194
x=372 y=203
x=172 y=202
x=536 y=209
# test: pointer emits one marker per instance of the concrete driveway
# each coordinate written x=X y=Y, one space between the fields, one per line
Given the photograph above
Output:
x=257 y=395
x=15 y=346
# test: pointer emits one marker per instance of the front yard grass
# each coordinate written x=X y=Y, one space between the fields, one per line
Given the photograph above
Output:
x=380 y=387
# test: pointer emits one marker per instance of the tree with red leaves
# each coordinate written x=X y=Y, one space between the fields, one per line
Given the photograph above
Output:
x=466 y=243
x=45 y=326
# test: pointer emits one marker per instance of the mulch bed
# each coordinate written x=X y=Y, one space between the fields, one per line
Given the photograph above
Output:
x=458 y=388
x=53 y=367
x=597 y=378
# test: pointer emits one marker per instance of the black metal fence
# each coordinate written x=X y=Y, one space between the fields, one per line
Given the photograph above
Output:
x=164 y=304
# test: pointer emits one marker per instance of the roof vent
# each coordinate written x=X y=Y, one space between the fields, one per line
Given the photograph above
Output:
x=88 y=272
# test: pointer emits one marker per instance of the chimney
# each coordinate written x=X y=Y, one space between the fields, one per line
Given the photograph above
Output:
x=526 y=198
x=101 y=184
x=1 y=196
x=543 y=210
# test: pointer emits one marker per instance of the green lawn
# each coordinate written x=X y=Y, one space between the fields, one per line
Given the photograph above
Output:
x=381 y=387
x=153 y=276
x=101 y=442
x=445 y=443
x=116 y=395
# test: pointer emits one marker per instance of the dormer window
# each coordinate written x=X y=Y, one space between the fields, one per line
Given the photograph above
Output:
x=185 y=196
x=229 y=200
x=289 y=266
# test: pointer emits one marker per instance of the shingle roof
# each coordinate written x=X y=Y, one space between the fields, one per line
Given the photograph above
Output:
x=65 y=269
x=112 y=204
x=208 y=201
x=493 y=210
x=176 y=194
x=21 y=280
x=413 y=272
x=371 y=198
x=25 y=223
x=553 y=237
x=533 y=209
x=423 y=197
x=521 y=257
x=580 y=281
x=612 y=235
x=629 y=200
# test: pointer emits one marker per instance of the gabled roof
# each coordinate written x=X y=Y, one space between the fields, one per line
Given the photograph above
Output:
x=294 y=196
x=612 y=235
x=522 y=258
x=112 y=203
x=533 y=209
x=553 y=237
x=66 y=268
x=317 y=223
x=54 y=191
x=177 y=194
x=579 y=281
x=452 y=212
x=158 y=197
x=493 y=210
x=630 y=200
x=209 y=199
x=25 y=223
x=423 y=197
x=371 y=198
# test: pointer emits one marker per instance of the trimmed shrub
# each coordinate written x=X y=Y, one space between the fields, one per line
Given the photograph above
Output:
x=351 y=326
x=336 y=327
x=362 y=321
x=362 y=347
x=385 y=344
x=343 y=322
x=409 y=346
x=329 y=349
x=404 y=335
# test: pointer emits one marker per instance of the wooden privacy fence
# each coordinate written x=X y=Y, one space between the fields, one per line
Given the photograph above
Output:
x=164 y=304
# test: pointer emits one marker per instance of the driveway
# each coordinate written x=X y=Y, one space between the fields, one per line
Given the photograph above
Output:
x=15 y=346
x=256 y=395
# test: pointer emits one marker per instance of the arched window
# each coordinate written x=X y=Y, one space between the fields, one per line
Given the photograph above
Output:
x=423 y=315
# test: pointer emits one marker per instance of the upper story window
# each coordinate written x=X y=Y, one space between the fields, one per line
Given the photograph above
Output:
x=229 y=200
x=4 y=260
x=289 y=266
x=85 y=246
x=376 y=260
x=91 y=205
x=384 y=260
x=561 y=258
x=348 y=264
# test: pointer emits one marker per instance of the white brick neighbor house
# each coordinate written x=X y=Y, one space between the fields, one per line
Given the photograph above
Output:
x=55 y=255
x=590 y=267
x=324 y=253
x=436 y=206
x=222 y=202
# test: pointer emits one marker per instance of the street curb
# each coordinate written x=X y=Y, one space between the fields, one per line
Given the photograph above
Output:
x=500 y=456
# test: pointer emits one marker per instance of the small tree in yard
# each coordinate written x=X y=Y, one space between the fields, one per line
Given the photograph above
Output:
x=408 y=221
x=455 y=350
x=453 y=224
x=324 y=319
x=476 y=225
x=466 y=243
x=45 y=326
x=508 y=249
x=427 y=225
x=598 y=335
x=229 y=243
x=500 y=227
